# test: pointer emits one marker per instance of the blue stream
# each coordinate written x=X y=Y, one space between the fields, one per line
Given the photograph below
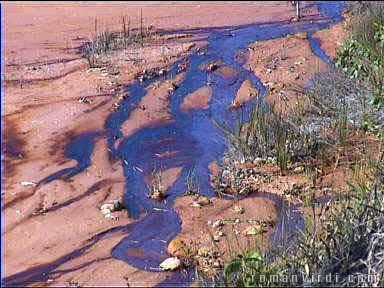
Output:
x=192 y=137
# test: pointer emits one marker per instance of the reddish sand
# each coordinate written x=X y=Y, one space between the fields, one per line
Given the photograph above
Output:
x=198 y=230
x=45 y=77
x=245 y=93
x=294 y=63
x=198 y=99
x=153 y=108
x=336 y=33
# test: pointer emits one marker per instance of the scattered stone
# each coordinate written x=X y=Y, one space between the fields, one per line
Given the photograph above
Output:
x=299 y=169
x=84 y=100
x=170 y=264
x=177 y=248
x=201 y=201
x=195 y=204
x=212 y=67
x=116 y=106
x=238 y=209
x=200 y=51
x=182 y=67
x=216 y=238
x=218 y=223
x=301 y=35
x=162 y=72
x=203 y=251
x=327 y=190
x=111 y=216
x=157 y=195
x=295 y=190
x=235 y=103
x=271 y=160
x=150 y=74
x=41 y=211
x=95 y=69
x=73 y=283
x=172 y=87
x=105 y=211
x=108 y=206
x=258 y=161
x=122 y=96
x=28 y=183
x=33 y=68
x=253 y=230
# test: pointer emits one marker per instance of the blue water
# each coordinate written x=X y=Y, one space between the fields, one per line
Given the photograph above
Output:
x=193 y=138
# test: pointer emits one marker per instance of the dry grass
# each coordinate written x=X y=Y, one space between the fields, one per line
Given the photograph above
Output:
x=104 y=41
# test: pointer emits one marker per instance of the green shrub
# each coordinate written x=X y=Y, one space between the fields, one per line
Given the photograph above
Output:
x=362 y=55
x=248 y=269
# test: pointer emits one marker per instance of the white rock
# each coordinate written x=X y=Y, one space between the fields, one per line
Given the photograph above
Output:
x=218 y=223
x=27 y=183
x=105 y=211
x=108 y=206
x=170 y=264
x=299 y=169
x=111 y=216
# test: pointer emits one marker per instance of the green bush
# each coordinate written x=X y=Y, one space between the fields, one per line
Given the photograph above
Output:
x=249 y=269
x=362 y=55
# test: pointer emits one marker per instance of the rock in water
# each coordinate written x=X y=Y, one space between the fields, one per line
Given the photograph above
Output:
x=170 y=264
